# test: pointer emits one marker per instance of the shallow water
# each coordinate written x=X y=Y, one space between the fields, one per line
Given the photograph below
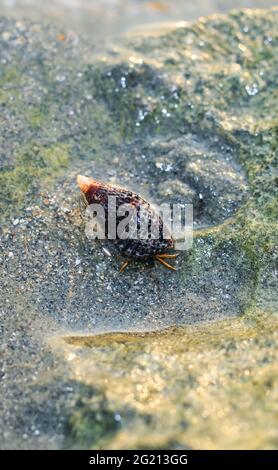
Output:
x=98 y=19
x=91 y=358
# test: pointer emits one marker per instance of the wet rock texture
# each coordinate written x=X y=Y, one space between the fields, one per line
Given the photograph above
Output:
x=190 y=117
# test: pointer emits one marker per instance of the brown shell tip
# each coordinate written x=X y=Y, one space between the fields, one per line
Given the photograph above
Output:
x=84 y=183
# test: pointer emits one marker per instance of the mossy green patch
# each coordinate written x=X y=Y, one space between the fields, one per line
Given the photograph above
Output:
x=90 y=422
x=34 y=169
x=35 y=117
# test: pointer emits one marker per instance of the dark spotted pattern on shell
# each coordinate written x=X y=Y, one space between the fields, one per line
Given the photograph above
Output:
x=97 y=192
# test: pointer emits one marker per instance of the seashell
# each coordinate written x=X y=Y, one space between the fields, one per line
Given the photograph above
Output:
x=145 y=215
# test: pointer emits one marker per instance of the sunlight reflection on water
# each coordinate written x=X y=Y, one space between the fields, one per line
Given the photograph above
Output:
x=98 y=19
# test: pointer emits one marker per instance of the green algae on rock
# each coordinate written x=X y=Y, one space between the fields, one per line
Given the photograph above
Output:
x=190 y=115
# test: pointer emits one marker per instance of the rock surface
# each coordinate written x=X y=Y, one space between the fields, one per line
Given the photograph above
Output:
x=85 y=359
